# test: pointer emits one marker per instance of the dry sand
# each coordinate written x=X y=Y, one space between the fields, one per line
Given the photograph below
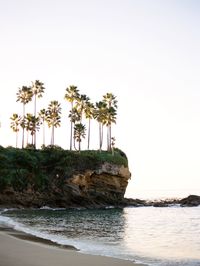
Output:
x=19 y=249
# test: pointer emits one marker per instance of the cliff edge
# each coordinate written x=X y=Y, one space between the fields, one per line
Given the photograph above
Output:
x=58 y=178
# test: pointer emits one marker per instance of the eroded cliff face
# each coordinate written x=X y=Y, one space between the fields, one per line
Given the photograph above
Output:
x=103 y=186
x=107 y=183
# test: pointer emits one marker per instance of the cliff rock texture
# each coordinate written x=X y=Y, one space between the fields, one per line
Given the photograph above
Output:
x=105 y=185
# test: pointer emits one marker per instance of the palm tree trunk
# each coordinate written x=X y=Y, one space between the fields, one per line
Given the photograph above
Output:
x=27 y=135
x=88 y=134
x=110 y=137
x=23 y=126
x=71 y=129
x=22 y=138
x=52 y=136
x=35 y=125
x=79 y=145
x=74 y=140
x=43 y=133
x=100 y=136
x=16 y=139
x=71 y=136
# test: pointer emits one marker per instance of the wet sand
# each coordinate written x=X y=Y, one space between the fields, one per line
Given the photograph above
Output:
x=20 y=249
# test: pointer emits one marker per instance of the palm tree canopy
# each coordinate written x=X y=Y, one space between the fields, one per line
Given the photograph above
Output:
x=110 y=100
x=110 y=116
x=43 y=114
x=100 y=112
x=72 y=93
x=81 y=103
x=79 y=131
x=89 y=110
x=38 y=88
x=15 y=122
x=24 y=94
x=54 y=114
x=32 y=123
x=74 y=115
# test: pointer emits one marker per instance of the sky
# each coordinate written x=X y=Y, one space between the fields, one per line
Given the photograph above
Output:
x=146 y=52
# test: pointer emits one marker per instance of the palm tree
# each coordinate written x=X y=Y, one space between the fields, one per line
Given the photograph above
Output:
x=79 y=133
x=89 y=114
x=24 y=95
x=32 y=124
x=53 y=117
x=15 y=123
x=43 y=117
x=109 y=120
x=72 y=93
x=81 y=103
x=100 y=115
x=111 y=104
x=75 y=117
x=37 y=91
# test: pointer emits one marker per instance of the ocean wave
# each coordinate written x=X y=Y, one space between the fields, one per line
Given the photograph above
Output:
x=52 y=209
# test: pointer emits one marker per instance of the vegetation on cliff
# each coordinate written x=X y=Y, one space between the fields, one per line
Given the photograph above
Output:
x=30 y=168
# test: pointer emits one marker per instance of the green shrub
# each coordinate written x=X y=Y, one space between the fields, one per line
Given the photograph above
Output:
x=39 y=168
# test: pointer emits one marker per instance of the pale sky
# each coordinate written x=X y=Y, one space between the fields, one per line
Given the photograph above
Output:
x=146 y=52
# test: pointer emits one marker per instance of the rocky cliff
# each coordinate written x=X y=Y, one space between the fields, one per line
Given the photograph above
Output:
x=105 y=185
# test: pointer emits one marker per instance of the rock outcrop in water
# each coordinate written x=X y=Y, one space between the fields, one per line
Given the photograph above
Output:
x=190 y=201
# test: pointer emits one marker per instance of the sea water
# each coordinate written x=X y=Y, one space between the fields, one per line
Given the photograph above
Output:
x=156 y=236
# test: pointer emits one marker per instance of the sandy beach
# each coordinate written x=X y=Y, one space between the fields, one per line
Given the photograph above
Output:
x=19 y=249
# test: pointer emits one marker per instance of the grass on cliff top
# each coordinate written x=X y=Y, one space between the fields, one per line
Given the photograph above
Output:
x=21 y=168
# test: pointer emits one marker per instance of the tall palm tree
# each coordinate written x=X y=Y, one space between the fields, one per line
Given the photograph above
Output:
x=111 y=104
x=109 y=120
x=89 y=114
x=53 y=117
x=37 y=91
x=43 y=117
x=32 y=124
x=81 y=103
x=79 y=133
x=15 y=123
x=75 y=117
x=27 y=122
x=100 y=115
x=71 y=95
x=24 y=95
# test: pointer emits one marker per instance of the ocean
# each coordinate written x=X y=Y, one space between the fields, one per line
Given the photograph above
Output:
x=167 y=236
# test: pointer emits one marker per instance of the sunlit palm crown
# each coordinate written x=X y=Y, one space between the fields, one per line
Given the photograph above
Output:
x=72 y=93
x=15 y=122
x=89 y=110
x=24 y=95
x=38 y=88
x=53 y=114
x=43 y=114
x=110 y=99
x=100 y=111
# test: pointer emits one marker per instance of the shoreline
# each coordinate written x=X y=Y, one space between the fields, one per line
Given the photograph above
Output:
x=21 y=249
